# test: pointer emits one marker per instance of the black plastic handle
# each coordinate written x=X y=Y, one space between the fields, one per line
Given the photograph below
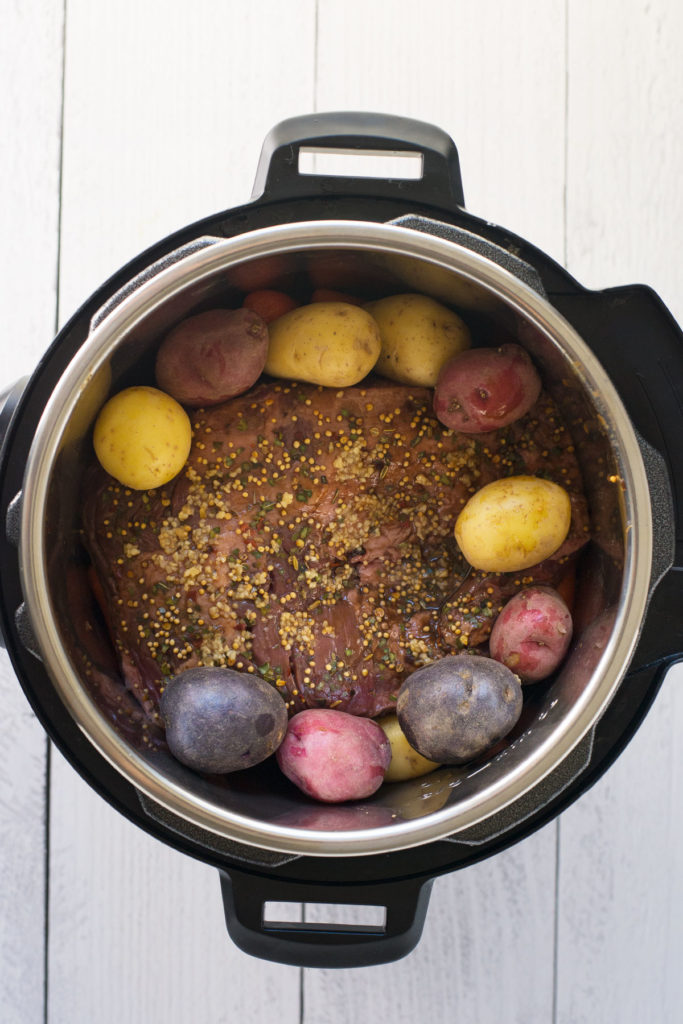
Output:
x=278 y=175
x=324 y=945
x=640 y=345
x=9 y=400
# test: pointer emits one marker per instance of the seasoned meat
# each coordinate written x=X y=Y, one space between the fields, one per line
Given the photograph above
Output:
x=310 y=539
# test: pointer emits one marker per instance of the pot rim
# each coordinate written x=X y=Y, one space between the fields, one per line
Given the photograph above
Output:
x=149 y=296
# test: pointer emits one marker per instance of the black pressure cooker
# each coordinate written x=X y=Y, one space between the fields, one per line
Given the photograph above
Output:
x=619 y=357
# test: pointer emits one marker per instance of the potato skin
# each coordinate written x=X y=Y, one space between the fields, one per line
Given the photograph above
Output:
x=513 y=523
x=419 y=335
x=213 y=356
x=333 y=344
x=405 y=763
x=219 y=720
x=458 y=707
x=142 y=437
x=333 y=756
x=484 y=389
x=532 y=633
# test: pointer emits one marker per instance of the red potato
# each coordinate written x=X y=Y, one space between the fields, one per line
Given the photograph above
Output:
x=333 y=756
x=483 y=389
x=212 y=356
x=269 y=304
x=532 y=633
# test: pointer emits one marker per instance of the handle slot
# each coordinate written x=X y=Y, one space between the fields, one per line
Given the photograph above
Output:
x=369 y=163
x=328 y=917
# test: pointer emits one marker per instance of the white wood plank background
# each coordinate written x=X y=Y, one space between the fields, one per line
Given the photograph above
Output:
x=122 y=122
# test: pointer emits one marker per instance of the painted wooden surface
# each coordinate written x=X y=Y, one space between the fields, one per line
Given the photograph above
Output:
x=122 y=122
x=31 y=59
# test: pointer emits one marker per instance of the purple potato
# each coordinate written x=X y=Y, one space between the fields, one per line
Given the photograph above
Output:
x=458 y=707
x=218 y=720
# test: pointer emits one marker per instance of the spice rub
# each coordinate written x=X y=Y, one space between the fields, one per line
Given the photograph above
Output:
x=309 y=539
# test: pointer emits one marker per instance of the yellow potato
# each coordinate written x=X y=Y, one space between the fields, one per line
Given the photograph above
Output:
x=142 y=437
x=419 y=336
x=513 y=523
x=405 y=762
x=412 y=800
x=333 y=344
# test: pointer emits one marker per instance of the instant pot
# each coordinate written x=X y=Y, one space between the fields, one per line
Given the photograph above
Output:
x=612 y=359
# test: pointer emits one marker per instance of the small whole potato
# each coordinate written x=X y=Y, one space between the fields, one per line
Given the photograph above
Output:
x=334 y=344
x=458 y=707
x=532 y=633
x=406 y=763
x=513 y=523
x=333 y=756
x=219 y=720
x=212 y=356
x=419 y=336
x=484 y=389
x=142 y=437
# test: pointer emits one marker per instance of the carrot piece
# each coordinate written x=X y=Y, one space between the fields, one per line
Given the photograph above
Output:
x=268 y=303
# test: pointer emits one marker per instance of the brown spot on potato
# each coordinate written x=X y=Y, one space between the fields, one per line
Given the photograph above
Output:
x=264 y=724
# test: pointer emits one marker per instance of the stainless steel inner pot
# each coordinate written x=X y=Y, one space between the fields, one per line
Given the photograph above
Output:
x=614 y=580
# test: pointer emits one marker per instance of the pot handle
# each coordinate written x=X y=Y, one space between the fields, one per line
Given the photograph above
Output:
x=323 y=945
x=640 y=345
x=278 y=175
x=9 y=400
